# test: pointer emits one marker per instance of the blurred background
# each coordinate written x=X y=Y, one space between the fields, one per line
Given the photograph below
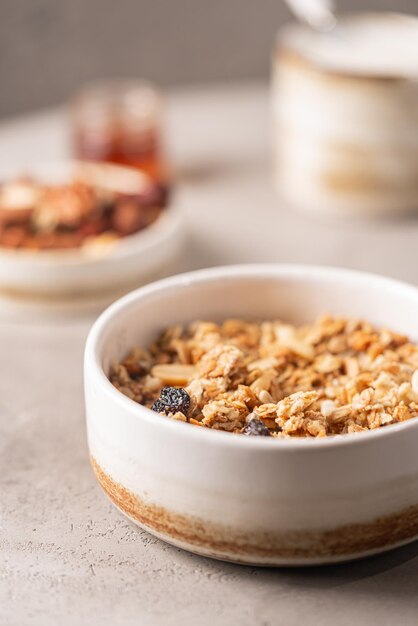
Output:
x=48 y=48
x=237 y=140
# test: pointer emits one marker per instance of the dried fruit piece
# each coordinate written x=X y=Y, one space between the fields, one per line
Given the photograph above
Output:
x=256 y=428
x=172 y=400
x=173 y=373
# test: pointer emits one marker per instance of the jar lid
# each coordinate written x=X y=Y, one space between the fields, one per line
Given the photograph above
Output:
x=383 y=45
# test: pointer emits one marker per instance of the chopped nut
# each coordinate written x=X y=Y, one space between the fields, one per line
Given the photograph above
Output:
x=179 y=416
x=327 y=363
x=327 y=407
x=195 y=422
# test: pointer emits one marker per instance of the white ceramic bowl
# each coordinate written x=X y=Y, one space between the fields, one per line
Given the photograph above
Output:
x=252 y=500
x=73 y=273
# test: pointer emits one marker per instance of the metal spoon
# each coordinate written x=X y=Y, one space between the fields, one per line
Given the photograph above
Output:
x=319 y=14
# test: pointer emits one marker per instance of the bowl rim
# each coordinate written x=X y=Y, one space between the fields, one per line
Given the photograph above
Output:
x=93 y=367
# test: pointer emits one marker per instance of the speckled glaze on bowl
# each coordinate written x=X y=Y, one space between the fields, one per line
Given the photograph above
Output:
x=252 y=500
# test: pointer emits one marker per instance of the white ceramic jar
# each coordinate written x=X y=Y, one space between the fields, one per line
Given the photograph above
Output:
x=247 y=499
x=345 y=109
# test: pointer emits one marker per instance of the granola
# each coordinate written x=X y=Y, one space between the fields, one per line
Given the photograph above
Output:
x=331 y=377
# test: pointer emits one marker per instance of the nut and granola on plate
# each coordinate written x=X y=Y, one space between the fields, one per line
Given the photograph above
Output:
x=272 y=379
x=92 y=211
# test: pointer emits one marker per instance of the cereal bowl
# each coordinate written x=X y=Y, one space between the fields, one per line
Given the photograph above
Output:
x=102 y=268
x=254 y=500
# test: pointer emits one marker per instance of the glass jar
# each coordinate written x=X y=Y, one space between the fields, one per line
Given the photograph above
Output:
x=119 y=121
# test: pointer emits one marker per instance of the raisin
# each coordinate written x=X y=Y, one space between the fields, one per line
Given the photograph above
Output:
x=256 y=428
x=172 y=400
x=159 y=407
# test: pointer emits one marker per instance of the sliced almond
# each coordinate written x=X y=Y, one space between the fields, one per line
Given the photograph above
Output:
x=262 y=364
x=174 y=373
x=265 y=397
x=263 y=382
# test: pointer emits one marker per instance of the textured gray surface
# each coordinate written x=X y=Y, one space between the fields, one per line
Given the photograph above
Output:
x=68 y=557
x=47 y=48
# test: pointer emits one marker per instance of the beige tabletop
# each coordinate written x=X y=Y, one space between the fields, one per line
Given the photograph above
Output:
x=66 y=556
